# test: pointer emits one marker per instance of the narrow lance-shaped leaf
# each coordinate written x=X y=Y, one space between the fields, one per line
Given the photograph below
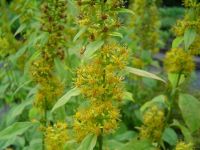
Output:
x=177 y=41
x=88 y=142
x=117 y=34
x=124 y=10
x=143 y=73
x=189 y=37
x=81 y=31
x=64 y=99
x=15 y=129
x=92 y=48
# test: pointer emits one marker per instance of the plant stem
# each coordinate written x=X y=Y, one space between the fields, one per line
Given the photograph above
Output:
x=172 y=96
x=100 y=141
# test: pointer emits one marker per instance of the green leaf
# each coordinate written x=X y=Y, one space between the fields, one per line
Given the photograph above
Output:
x=117 y=34
x=92 y=48
x=177 y=41
x=185 y=131
x=113 y=144
x=189 y=37
x=19 y=53
x=128 y=96
x=126 y=136
x=14 y=19
x=173 y=77
x=138 y=145
x=70 y=145
x=60 y=68
x=88 y=142
x=17 y=128
x=189 y=106
x=143 y=73
x=17 y=110
x=65 y=98
x=20 y=29
x=124 y=10
x=170 y=136
x=81 y=31
x=161 y=100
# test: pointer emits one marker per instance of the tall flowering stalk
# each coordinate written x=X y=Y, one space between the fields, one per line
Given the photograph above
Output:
x=146 y=25
x=191 y=21
x=179 y=60
x=100 y=81
x=53 y=19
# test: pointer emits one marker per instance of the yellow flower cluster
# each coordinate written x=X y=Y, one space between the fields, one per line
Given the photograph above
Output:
x=190 y=21
x=177 y=60
x=54 y=18
x=56 y=136
x=48 y=93
x=101 y=83
x=100 y=17
x=184 y=146
x=153 y=124
x=41 y=70
x=100 y=78
x=145 y=25
x=100 y=117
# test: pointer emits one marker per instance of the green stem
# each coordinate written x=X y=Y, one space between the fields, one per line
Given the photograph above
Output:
x=172 y=95
x=44 y=123
x=100 y=141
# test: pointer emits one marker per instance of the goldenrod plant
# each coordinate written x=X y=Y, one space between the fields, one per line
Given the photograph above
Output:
x=72 y=77
x=145 y=25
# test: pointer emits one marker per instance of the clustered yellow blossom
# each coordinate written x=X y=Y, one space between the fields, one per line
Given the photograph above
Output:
x=191 y=21
x=101 y=83
x=101 y=78
x=100 y=17
x=100 y=117
x=56 y=136
x=184 y=146
x=178 y=61
x=53 y=90
x=146 y=25
x=153 y=124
